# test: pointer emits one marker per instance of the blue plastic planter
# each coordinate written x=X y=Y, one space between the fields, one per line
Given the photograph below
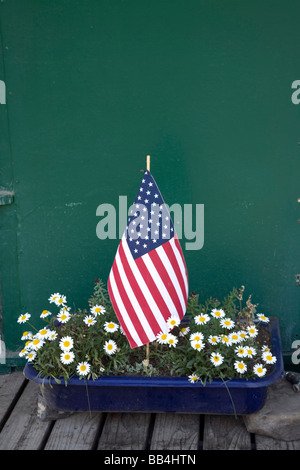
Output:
x=162 y=394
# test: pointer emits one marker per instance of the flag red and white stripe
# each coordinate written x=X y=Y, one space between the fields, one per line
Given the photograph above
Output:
x=146 y=291
x=148 y=281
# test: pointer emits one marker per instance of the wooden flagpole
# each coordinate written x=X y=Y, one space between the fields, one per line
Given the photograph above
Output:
x=146 y=361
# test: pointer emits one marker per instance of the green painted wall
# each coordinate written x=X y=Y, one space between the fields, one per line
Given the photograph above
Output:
x=202 y=86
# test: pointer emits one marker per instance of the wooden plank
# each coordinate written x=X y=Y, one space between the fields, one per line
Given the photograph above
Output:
x=176 y=432
x=10 y=385
x=125 y=431
x=76 y=432
x=23 y=430
x=225 y=433
x=268 y=443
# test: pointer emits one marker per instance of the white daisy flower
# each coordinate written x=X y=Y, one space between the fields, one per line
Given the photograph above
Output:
x=52 y=335
x=98 y=310
x=27 y=335
x=235 y=338
x=197 y=345
x=217 y=313
x=42 y=334
x=162 y=337
x=226 y=340
x=45 y=314
x=259 y=370
x=24 y=318
x=101 y=369
x=213 y=339
x=83 y=368
x=196 y=336
x=67 y=357
x=31 y=356
x=111 y=327
x=243 y=335
x=184 y=331
x=265 y=348
x=240 y=351
x=60 y=301
x=252 y=331
x=216 y=359
x=63 y=316
x=268 y=358
x=23 y=352
x=227 y=323
x=36 y=344
x=193 y=378
x=53 y=297
x=202 y=319
x=66 y=343
x=250 y=351
x=89 y=320
x=172 y=322
x=263 y=318
x=172 y=340
x=240 y=367
x=110 y=347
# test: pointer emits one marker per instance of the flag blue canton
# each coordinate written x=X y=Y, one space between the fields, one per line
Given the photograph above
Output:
x=149 y=224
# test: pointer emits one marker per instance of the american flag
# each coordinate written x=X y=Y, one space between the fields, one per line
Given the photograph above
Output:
x=148 y=281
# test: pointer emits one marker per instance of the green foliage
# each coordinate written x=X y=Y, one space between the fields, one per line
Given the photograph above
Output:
x=187 y=350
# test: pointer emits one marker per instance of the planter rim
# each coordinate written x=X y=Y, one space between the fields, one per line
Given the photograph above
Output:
x=141 y=381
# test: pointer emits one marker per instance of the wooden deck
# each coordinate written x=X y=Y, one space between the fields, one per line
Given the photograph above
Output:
x=21 y=429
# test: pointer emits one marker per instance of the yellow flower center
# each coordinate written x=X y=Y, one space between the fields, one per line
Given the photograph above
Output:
x=66 y=344
x=164 y=336
x=109 y=346
x=216 y=358
x=67 y=357
x=217 y=314
x=43 y=332
x=225 y=339
x=63 y=317
x=197 y=338
x=25 y=333
x=83 y=367
x=269 y=358
x=111 y=325
x=241 y=366
x=23 y=317
x=259 y=370
x=227 y=322
x=235 y=337
x=44 y=311
x=36 y=341
x=97 y=309
x=171 y=341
